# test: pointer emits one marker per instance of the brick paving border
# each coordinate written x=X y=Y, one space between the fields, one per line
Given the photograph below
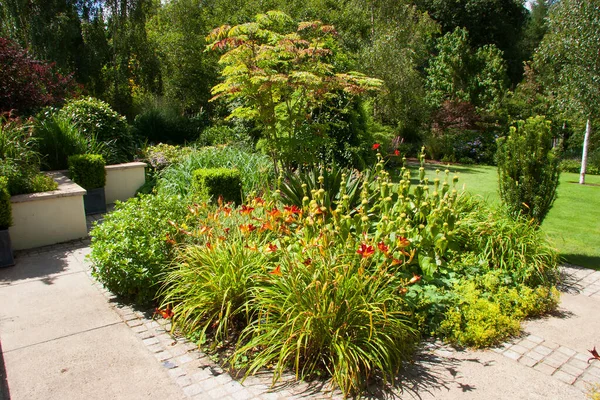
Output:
x=193 y=371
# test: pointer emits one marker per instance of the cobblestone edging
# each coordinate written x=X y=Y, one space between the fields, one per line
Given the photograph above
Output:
x=194 y=372
x=549 y=358
x=563 y=363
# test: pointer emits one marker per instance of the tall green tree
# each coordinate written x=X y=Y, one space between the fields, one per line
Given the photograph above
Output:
x=398 y=46
x=568 y=56
x=177 y=32
x=459 y=73
x=497 y=22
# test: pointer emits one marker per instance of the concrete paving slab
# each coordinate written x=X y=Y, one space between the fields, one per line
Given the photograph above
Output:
x=105 y=363
x=35 y=311
x=576 y=324
x=466 y=375
x=43 y=266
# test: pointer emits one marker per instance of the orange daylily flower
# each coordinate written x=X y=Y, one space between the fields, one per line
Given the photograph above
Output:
x=365 y=250
x=403 y=242
x=247 y=228
x=382 y=247
x=274 y=212
x=293 y=209
x=246 y=210
x=276 y=271
x=416 y=278
x=166 y=313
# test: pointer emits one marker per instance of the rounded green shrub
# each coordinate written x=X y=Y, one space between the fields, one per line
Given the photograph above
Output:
x=5 y=206
x=96 y=119
x=213 y=183
x=528 y=169
x=87 y=170
x=130 y=249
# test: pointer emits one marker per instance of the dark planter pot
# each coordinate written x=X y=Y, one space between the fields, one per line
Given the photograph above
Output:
x=94 y=201
x=6 y=254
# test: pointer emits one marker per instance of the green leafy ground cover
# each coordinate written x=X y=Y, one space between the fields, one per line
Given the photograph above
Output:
x=572 y=225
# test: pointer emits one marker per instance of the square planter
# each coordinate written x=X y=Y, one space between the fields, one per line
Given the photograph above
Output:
x=94 y=201
x=6 y=254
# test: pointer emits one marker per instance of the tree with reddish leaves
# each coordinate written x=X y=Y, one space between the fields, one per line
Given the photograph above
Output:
x=27 y=84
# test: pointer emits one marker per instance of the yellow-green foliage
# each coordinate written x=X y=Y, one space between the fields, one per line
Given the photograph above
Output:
x=486 y=312
x=593 y=392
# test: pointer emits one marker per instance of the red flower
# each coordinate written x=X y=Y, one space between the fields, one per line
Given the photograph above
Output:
x=259 y=200
x=376 y=146
x=166 y=313
x=365 y=251
x=274 y=212
x=382 y=247
x=276 y=271
x=396 y=152
x=271 y=248
x=292 y=209
x=246 y=210
x=403 y=242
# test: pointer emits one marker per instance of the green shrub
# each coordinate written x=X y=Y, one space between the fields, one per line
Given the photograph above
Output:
x=517 y=247
x=165 y=125
x=58 y=138
x=486 y=311
x=256 y=169
x=217 y=182
x=574 y=166
x=5 y=206
x=19 y=159
x=131 y=248
x=95 y=119
x=528 y=169
x=162 y=155
x=223 y=134
x=87 y=170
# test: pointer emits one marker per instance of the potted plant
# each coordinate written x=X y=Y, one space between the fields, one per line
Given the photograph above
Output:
x=6 y=254
x=87 y=170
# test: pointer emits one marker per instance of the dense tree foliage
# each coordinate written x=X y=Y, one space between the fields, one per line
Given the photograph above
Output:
x=497 y=22
x=26 y=83
x=568 y=57
x=436 y=58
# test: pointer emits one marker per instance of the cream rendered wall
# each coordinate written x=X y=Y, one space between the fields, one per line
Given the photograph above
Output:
x=42 y=219
x=122 y=180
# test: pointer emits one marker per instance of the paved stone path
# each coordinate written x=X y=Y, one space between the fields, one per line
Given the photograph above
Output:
x=550 y=359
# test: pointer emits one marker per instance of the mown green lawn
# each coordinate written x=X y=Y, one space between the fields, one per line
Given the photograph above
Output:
x=573 y=224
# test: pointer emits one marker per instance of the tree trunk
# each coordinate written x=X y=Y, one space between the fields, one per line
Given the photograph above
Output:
x=586 y=139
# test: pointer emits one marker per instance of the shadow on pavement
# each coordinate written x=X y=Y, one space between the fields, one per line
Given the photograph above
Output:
x=4 y=392
x=45 y=266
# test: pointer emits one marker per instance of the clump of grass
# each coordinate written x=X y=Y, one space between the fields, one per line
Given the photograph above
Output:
x=209 y=286
x=256 y=169
x=515 y=246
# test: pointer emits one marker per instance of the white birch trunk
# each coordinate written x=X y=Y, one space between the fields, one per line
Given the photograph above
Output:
x=586 y=139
